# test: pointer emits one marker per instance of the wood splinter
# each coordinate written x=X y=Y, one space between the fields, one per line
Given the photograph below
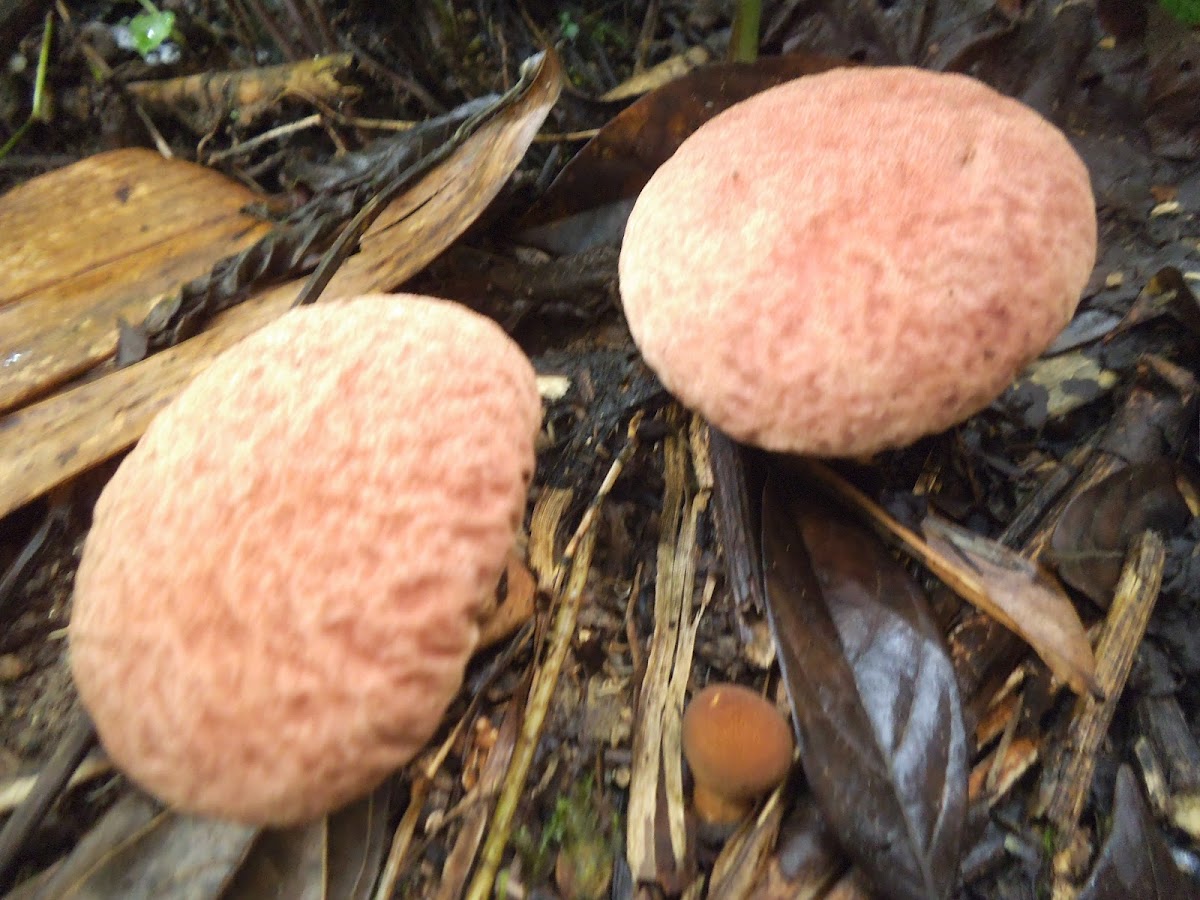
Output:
x=1068 y=779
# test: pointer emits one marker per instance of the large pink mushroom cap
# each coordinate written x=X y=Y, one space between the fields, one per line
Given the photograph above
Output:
x=281 y=587
x=855 y=259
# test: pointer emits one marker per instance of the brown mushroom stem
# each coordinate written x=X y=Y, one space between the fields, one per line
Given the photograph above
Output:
x=714 y=808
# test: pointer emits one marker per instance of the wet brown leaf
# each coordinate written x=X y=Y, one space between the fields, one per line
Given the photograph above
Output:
x=1019 y=595
x=590 y=199
x=1135 y=861
x=1088 y=546
x=873 y=695
x=51 y=441
x=137 y=852
x=1173 y=100
x=1123 y=19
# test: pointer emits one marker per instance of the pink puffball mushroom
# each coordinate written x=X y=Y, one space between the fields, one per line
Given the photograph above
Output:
x=855 y=259
x=282 y=583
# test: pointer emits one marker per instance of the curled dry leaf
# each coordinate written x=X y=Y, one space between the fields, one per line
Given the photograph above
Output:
x=873 y=693
x=512 y=607
x=202 y=102
x=1135 y=860
x=1088 y=546
x=1019 y=595
x=1167 y=293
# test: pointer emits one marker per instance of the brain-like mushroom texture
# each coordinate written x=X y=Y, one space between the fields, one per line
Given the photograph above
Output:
x=850 y=261
x=282 y=583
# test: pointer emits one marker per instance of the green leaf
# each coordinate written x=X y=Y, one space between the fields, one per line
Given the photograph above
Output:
x=150 y=30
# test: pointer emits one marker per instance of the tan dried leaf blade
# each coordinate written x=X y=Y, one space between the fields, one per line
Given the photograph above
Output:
x=1020 y=596
x=50 y=441
x=99 y=240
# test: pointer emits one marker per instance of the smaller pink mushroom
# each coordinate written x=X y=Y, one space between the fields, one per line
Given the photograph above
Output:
x=281 y=588
x=855 y=259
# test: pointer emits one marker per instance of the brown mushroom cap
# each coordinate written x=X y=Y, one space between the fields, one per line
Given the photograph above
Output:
x=280 y=589
x=738 y=747
x=854 y=259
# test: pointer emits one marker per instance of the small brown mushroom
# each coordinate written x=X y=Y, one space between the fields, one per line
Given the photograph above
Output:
x=738 y=747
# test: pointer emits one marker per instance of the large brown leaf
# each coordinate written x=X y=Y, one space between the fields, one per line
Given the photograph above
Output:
x=590 y=199
x=1135 y=860
x=1089 y=543
x=873 y=693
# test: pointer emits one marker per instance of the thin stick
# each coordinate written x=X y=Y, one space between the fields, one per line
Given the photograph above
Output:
x=954 y=577
x=1070 y=781
x=579 y=555
x=402 y=840
x=72 y=749
x=266 y=137
x=743 y=43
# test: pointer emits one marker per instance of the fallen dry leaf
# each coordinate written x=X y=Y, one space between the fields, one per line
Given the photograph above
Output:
x=656 y=76
x=337 y=857
x=202 y=102
x=1021 y=597
x=51 y=441
x=138 y=227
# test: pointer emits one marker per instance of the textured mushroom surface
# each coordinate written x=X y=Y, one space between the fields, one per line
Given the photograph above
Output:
x=854 y=259
x=281 y=587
